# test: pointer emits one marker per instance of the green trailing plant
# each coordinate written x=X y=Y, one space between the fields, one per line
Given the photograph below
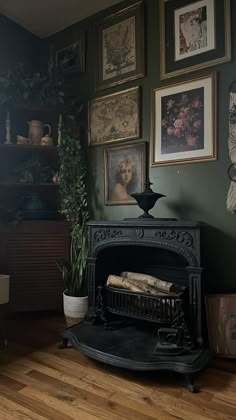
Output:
x=74 y=207
x=19 y=86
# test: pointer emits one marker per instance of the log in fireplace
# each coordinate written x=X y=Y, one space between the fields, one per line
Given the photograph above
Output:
x=136 y=330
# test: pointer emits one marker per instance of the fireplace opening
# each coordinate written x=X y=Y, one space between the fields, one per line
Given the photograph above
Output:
x=154 y=261
x=171 y=312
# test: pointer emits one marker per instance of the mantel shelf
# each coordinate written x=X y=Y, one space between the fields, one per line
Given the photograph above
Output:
x=23 y=185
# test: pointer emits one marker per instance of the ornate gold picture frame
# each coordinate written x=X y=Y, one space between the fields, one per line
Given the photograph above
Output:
x=115 y=117
x=184 y=122
x=124 y=173
x=120 y=47
x=194 y=35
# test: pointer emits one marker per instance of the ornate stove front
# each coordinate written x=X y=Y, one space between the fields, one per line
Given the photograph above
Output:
x=143 y=332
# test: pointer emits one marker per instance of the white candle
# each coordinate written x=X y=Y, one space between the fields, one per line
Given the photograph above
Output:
x=59 y=130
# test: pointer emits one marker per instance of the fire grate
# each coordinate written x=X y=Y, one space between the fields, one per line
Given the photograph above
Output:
x=156 y=308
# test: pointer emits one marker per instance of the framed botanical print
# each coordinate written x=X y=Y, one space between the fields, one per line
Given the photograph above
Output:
x=120 y=47
x=194 y=34
x=124 y=173
x=114 y=117
x=183 y=122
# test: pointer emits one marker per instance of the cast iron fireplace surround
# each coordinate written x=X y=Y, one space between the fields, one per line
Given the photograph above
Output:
x=136 y=331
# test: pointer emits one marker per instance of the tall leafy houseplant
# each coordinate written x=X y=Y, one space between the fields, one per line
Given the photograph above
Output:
x=74 y=206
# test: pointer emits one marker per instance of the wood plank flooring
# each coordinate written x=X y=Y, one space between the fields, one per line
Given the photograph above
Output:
x=38 y=381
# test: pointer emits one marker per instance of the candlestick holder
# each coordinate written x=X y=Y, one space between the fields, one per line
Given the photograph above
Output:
x=59 y=130
x=146 y=200
x=8 y=131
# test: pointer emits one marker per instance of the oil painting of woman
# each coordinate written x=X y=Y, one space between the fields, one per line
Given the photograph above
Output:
x=124 y=173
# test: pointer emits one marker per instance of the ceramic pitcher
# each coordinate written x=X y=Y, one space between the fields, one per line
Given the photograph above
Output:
x=36 y=131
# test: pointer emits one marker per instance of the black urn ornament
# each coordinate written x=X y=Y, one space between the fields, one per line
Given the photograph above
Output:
x=146 y=200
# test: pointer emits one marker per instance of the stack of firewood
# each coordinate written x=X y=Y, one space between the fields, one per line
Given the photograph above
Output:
x=141 y=283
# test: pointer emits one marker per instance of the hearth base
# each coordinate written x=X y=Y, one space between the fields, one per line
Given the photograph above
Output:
x=132 y=348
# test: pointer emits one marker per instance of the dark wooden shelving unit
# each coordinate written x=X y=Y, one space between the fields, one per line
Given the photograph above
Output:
x=12 y=148
x=24 y=147
x=29 y=249
x=28 y=185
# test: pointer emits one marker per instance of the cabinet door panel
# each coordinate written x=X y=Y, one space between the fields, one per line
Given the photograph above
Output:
x=33 y=248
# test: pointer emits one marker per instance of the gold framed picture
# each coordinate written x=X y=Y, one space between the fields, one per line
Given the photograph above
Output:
x=120 y=47
x=114 y=117
x=194 y=35
x=124 y=173
x=184 y=122
x=70 y=59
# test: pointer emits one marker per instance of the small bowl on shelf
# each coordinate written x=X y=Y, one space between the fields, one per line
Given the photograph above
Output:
x=46 y=141
x=22 y=140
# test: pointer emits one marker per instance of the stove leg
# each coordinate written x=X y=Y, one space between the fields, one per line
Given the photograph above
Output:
x=189 y=383
x=63 y=344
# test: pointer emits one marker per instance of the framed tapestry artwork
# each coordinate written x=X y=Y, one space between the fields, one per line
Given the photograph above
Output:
x=194 y=34
x=183 y=122
x=71 y=58
x=124 y=173
x=114 y=117
x=120 y=47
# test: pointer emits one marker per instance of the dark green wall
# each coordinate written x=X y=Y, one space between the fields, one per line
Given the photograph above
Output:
x=19 y=45
x=194 y=191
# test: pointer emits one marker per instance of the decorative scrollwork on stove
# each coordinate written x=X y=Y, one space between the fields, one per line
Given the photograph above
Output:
x=137 y=232
x=103 y=234
x=187 y=253
x=184 y=238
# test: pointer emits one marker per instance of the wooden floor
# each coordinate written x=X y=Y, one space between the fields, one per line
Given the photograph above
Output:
x=38 y=381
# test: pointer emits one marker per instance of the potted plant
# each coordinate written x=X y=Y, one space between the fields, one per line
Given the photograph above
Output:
x=74 y=207
x=19 y=86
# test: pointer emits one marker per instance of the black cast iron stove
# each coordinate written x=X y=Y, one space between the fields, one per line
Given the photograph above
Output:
x=136 y=330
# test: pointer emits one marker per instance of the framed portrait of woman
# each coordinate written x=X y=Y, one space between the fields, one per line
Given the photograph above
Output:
x=124 y=173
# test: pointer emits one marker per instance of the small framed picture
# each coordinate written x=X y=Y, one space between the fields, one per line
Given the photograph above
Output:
x=183 y=122
x=114 y=117
x=194 y=35
x=71 y=59
x=120 y=47
x=124 y=173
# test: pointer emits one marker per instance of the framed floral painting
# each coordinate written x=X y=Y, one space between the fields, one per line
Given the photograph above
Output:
x=124 y=173
x=114 y=117
x=120 y=47
x=194 y=34
x=183 y=122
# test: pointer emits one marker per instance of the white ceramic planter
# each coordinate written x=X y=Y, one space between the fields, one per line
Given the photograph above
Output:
x=75 y=308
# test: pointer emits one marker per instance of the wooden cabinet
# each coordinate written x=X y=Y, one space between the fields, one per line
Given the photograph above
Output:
x=30 y=249
x=29 y=252
x=28 y=168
